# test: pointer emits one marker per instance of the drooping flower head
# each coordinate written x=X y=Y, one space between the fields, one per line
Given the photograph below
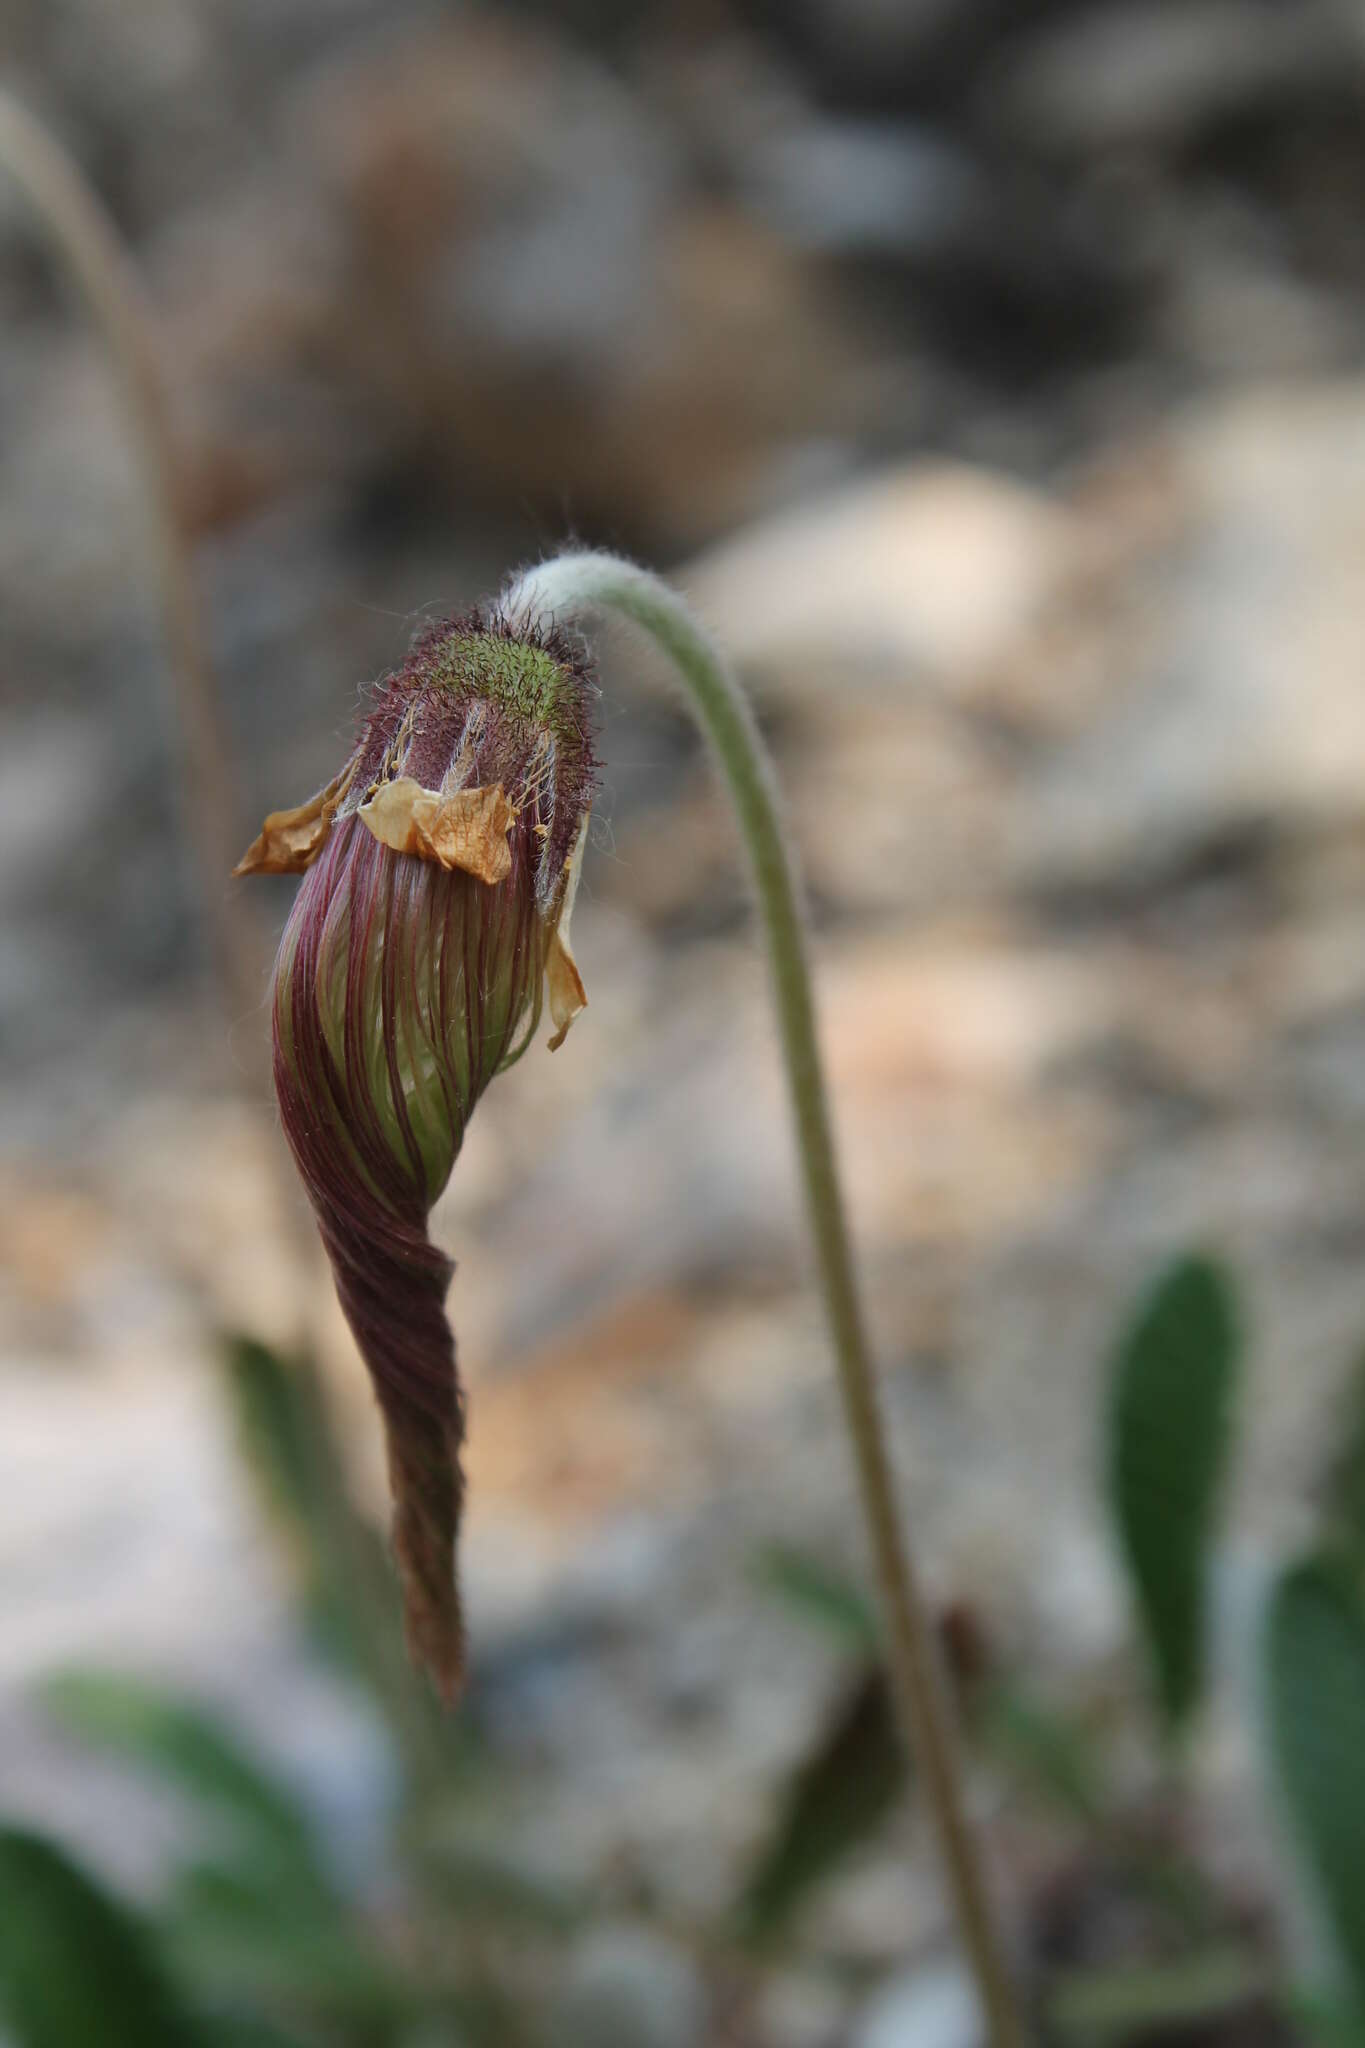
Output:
x=439 y=872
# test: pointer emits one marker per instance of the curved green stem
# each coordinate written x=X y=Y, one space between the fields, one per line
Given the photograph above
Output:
x=576 y=584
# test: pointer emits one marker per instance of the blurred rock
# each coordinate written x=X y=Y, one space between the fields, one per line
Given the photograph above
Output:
x=1121 y=75
x=626 y=1984
x=801 y=2010
x=934 y=2008
x=933 y=569
x=1235 y=695
x=881 y=52
x=534 y=295
x=1238 y=311
x=859 y=188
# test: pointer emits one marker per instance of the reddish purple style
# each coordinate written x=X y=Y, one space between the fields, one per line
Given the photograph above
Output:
x=432 y=923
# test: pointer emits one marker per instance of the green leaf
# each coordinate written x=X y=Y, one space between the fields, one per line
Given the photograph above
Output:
x=837 y=1800
x=483 y=1887
x=250 y=2031
x=1324 y=2021
x=349 y=1588
x=1120 y=2004
x=348 y=1584
x=188 y=1746
x=77 y=1969
x=1050 y=1750
x=825 y=1597
x=1345 y=1489
x=286 y=1436
x=238 y=1940
x=279 y=1889
x=1170 y=1433
x=1315 y=1669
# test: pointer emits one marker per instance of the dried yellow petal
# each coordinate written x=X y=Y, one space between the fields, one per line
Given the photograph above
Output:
x=290 y=841
x=467 y=829
x=563 y=982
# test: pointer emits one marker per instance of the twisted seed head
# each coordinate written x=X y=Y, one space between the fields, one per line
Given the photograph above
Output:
x=439 y=870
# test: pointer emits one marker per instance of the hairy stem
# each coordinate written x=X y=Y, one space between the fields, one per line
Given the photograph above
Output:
x=87 y=239
x=577 y=584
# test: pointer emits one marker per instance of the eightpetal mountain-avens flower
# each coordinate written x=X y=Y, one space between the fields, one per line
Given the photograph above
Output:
x=432 y=923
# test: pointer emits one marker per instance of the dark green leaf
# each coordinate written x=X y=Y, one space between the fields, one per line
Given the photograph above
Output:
x=1124 y=2003
x=836 y=1801
x=233 y=1937
x=186 y=1745
x=1345 y=1491
x=1315 y=1654
x=287 y=1438
x=77 y=1969
x=821 y=1595
x=1325 y=2021
x=483 y=1887
x=234 y=2029
x=1174 y=1384
x=349 y=1587
x=1040 y=1744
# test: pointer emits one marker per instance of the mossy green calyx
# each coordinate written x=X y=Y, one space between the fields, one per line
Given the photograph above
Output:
x=525 y=680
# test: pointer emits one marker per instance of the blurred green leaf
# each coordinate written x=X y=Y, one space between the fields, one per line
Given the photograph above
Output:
x=77 y=1969
x=239 y=1938
x=487 y=1888
x=249 y=2030
x=1119 y=2004
x=1315 y=1669
x=1170 y=1433
x=188 y=1746
x=823 y=1596
x=1345 y=1489
x=349 y=1587
x=232 y=2023
x=1049 y=1749
x=232 y=1926
x=837 y=1800
x=1325 y=2021
x=286 y=1434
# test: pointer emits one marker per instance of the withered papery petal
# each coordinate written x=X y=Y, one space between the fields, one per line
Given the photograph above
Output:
x=465 y=829
x=290 y=841
x=563 y=982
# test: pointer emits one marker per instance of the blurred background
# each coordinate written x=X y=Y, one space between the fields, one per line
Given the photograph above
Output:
x=990 y=376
